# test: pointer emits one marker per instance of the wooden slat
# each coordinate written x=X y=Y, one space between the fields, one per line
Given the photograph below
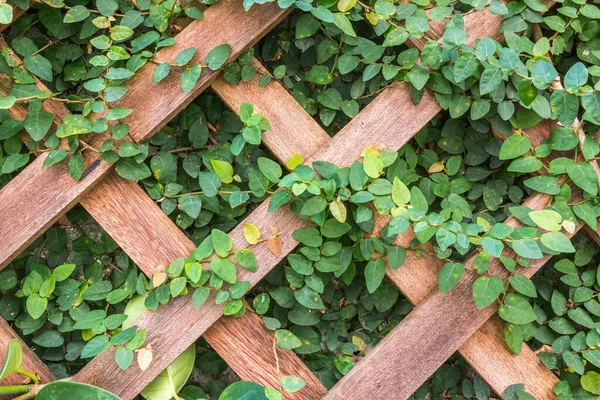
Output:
x=21 y=226
x=31 y=362
x=428 y=106
x=175 y=326
x=17 y=12
x=455 y=312
x=152 y=240
x=430 y=334
x=486 y=352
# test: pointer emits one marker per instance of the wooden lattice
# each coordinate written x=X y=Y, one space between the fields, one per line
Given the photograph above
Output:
x=440 y=324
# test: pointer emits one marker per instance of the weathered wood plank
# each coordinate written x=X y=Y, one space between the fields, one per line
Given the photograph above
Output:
x=22 y=225
x=178 y=323
x=430 y=334
x=152 y=240
x=31 y=362
x=486 y=350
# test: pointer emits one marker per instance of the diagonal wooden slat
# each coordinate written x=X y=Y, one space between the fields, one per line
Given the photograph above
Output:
x=178 y=323
x=31 y=362
x=236 y=27
x=153 y=241
x=417 y=346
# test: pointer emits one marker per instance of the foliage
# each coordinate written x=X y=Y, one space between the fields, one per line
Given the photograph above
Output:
x=454 y=184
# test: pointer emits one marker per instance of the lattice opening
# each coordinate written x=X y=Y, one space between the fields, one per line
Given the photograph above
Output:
x=204 y=131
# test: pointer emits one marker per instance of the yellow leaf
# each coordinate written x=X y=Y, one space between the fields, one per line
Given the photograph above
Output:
x=294 y=161
x=338 y=210
x=251 y=233
x=436 y=167
x=158 y=278
x=144 y=358
x=373 y=18
x=275 y=246
x=346 y=5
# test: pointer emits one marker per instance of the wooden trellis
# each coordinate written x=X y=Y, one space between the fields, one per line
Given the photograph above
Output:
x=440 y=324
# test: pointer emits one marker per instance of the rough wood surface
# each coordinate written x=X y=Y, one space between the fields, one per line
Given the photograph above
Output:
x=486 y=350
x=179 y=323
x=152 y=240
x=31 y=362
x=21 y=225
x=430 y=334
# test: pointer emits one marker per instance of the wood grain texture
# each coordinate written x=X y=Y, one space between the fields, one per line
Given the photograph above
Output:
x=430 y=334
x=175 y=326
x=486 y=350
x=418 y=277
x=21 y=225
x=236 y=27
x=152 y=240
x=31 y=362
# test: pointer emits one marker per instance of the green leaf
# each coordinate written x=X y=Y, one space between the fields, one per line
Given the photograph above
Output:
x=514 y=146
x=217 y=56
x=160 y=72
x=39 y=65
x=543 y=74
x=486 y=290
x=450 y=275
x=13 y=359
x=291 y=383
x=14 y=162
x=189 y=77
x=309 y=298
x=169 y=382
x=583 y=175
x=286 y=339
x=185 y=56
x=543 y=184
x=123 y=357
x=319 y=74
x=243 y=390
x=270 y=169
x=564 y=106
x=557 y=241
x=547 y=219
x=247 y=259
x=95 y=346
x=527 y=92
x=342 y=22
x=73 y=390
x=516 y=310
x=523 y=285
x=36 y=305
x=222 y=243
x=576 y=77
x=76 y=166
x=224 y=269
x=6 y=14
x=37 y=124
x=490 y=79
x=591 y=382
x=76 y=14
x=374 y=273
x=128 y=168
x=527 y=248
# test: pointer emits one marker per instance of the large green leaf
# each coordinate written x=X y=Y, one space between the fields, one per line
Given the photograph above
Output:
x=73 y=390
x=244 y=390
x=14 y=358
x=169 y=382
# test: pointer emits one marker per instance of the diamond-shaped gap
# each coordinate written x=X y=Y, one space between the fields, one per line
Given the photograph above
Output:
x=327 y=347
x=101 y=268
x=368 y=68
x=206 y=130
